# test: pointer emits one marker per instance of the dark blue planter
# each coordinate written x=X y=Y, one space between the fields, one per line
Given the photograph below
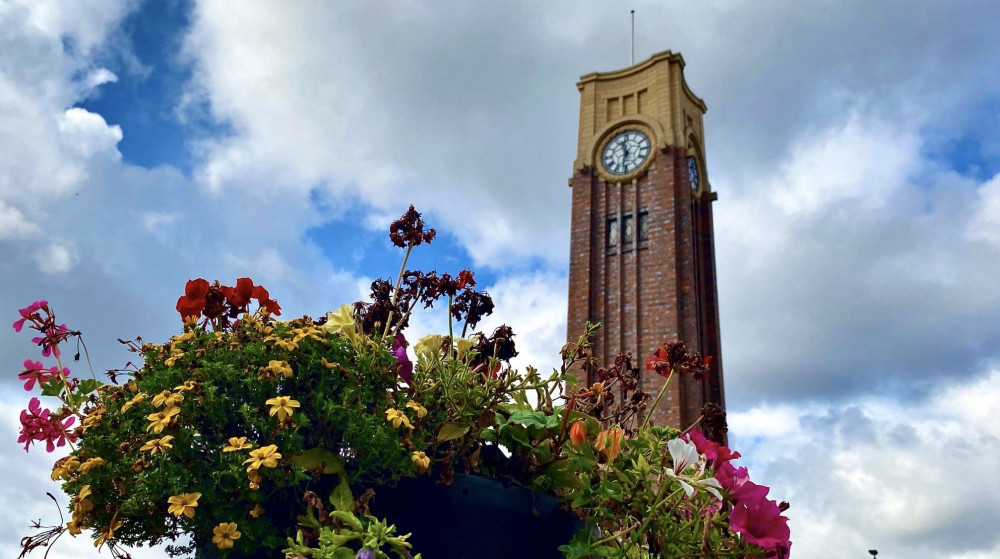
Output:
x=476 y=518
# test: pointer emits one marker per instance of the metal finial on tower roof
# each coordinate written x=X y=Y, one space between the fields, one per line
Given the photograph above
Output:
x=631 y=55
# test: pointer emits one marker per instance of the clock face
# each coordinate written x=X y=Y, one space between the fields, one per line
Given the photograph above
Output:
x=626 y=152
x=693 y=173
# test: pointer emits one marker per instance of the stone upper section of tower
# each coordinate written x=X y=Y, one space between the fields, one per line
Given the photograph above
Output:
x=651 y=94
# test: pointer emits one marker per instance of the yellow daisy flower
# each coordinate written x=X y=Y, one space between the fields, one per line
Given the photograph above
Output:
x=158 y=445
x=64 y=467
x=188 y=386
x=107 y=533
x=80 y=503
x=184 y=503
x=91 y=464
x=420 y=461
x=290 y=345
x=73 y=528
x=257 y=511
x=282 y=405
x=135 y=400
x=237 y=444
x=421 y=411
x=225 y=534
x=275 y=368
x=397 y=418
x=266 y=456
x=167 y=398
x=159 y=420
x=175 y=354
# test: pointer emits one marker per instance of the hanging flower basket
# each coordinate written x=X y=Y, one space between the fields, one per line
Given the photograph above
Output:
x=335 y=438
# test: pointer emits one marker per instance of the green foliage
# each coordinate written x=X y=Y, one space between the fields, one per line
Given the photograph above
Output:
x=341 y=418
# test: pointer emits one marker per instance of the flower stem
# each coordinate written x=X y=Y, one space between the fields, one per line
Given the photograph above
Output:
x=657 y=401
x=451 y=330
x=399 y=281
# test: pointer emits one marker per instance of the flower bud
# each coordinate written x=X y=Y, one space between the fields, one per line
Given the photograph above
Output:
x=578 y=433
x=365 y=553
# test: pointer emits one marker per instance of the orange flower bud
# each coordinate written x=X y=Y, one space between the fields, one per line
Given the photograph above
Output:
x=578 y=433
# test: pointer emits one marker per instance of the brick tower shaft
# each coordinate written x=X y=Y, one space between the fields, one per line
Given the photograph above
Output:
x=642 y=259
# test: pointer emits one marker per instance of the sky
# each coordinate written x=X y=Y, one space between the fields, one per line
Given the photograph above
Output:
x=853 y=146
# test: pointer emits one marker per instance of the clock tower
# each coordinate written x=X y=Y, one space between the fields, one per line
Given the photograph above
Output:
x=642 y=251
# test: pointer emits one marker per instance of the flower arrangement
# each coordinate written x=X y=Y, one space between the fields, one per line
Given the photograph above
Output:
x=260 y=437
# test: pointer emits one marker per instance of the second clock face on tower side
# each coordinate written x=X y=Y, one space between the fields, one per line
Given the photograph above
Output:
x=625 y=153
x=693 y=173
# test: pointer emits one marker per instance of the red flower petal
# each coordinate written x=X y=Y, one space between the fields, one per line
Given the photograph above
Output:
x=190 y=306
x=196 y=288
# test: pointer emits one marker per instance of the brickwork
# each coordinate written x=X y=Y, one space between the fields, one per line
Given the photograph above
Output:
x=645 y=290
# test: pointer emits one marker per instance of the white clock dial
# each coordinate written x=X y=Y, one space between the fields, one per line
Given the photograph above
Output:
x=626 y=152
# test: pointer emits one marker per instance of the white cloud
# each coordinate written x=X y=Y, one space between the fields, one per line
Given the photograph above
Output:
x=386 y=115
x=13 y=225
x=985 y=225
x=862 y=161
x=534 y=306
x=840 y=274
x=87 y=133
x=56 y=258
x=99 y=77
x=882 y=474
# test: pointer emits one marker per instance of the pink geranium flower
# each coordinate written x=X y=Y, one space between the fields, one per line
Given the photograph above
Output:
x=36 y=425
x=27 y=312
x=54 y=335
x=34 y=371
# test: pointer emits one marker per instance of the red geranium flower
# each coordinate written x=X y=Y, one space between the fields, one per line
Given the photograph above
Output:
x=193 y=300
x=465 y=279
x=264 y=298
x=240 y=295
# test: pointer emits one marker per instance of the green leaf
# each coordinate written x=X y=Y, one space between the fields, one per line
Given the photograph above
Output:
x=450 y=431
x=529 y=418
x=348 y=518
x=341 y=498
x=517 y=433
x=562 y=474
x=88 y=385
x=318 y=459
x=489 y=436
x=52 y=388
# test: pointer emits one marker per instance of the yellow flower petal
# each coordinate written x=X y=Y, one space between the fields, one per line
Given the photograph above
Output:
x=421 y=411
x=341 y=322
x=225 y=534
x=184 y=503
x=282 y=405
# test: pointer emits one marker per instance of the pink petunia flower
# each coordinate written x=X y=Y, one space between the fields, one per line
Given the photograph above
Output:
x=405 y=366
x=760 y=522
x=711 y=449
